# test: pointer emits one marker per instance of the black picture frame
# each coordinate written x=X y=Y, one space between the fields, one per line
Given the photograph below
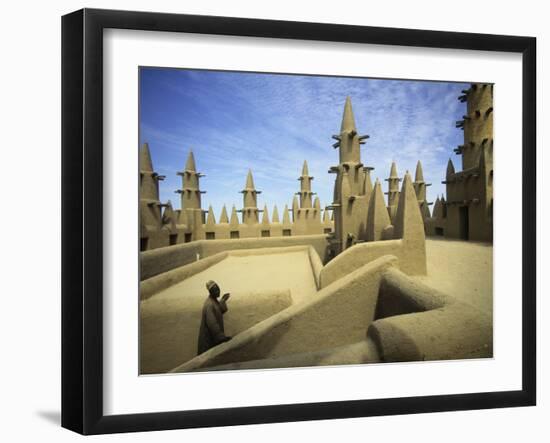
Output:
x=82 y=218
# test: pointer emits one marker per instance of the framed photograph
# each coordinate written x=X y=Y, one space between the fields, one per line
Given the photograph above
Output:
x=269 y=221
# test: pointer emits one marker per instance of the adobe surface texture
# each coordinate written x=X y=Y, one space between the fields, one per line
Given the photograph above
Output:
x=260 y=286
x=461 y=269
x=263 y=285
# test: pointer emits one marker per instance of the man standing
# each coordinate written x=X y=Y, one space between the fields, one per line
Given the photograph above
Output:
x=211 y=332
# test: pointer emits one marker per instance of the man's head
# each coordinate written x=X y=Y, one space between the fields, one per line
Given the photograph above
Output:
x=213 y=288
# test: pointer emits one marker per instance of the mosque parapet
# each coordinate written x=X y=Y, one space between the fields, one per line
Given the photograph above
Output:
x=161 y=225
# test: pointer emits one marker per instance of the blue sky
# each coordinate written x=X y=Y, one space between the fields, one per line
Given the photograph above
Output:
x=271 y=123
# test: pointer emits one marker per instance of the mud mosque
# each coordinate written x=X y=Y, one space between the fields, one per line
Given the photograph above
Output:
x=345 y=284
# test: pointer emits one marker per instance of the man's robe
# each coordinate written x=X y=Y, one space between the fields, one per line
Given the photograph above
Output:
x=211 y=331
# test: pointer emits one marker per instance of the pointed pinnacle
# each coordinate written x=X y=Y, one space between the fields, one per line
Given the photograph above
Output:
x=305 y=171
x=234 y=219
x=168 y=214
x=249 y=180
x=168 y=210
x=275 y=215
x=210 y=219
x=419 y=175
x=223 y=216
x=407 y=184
x=408 y=219
x=145 y=162
x=450 y=168
x=393 y=170
x=190 y=164
x=378 y=217
x=348 y=120
x=265 y=216
x=317 y=203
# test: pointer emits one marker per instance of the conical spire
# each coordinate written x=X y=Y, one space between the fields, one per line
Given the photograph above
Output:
x=420 y=189
x=305 y=171
x=210 y=219
x=349 y=140
x=275 y=216
x=378 y=218
x=145 y=162
x=249 y=181
x=168 y=216
x=419 y=175
x=393 y=170
x=265 y=216
x=250 y=202
x=408 y=220
x=437 y=211
x=305 y=187
x=223 y=216
x=348 y=120
x=450 y=168
x=190 y=163
x=425 y=210
x=190 y=191
x=286 y=216
x=393 y=190
x=149 y=184
x=234 y=219
x=317 y=204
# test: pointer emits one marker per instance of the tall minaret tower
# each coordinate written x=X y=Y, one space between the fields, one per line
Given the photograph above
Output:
x=149 y=204
x=470 y=191
x=350 y=203
x=191 y=210
x=250 y=201
x=306 y=213
x=420 y=190
x=393 y=191
x=149 y=179
x=305 y=193
x=477 y=124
